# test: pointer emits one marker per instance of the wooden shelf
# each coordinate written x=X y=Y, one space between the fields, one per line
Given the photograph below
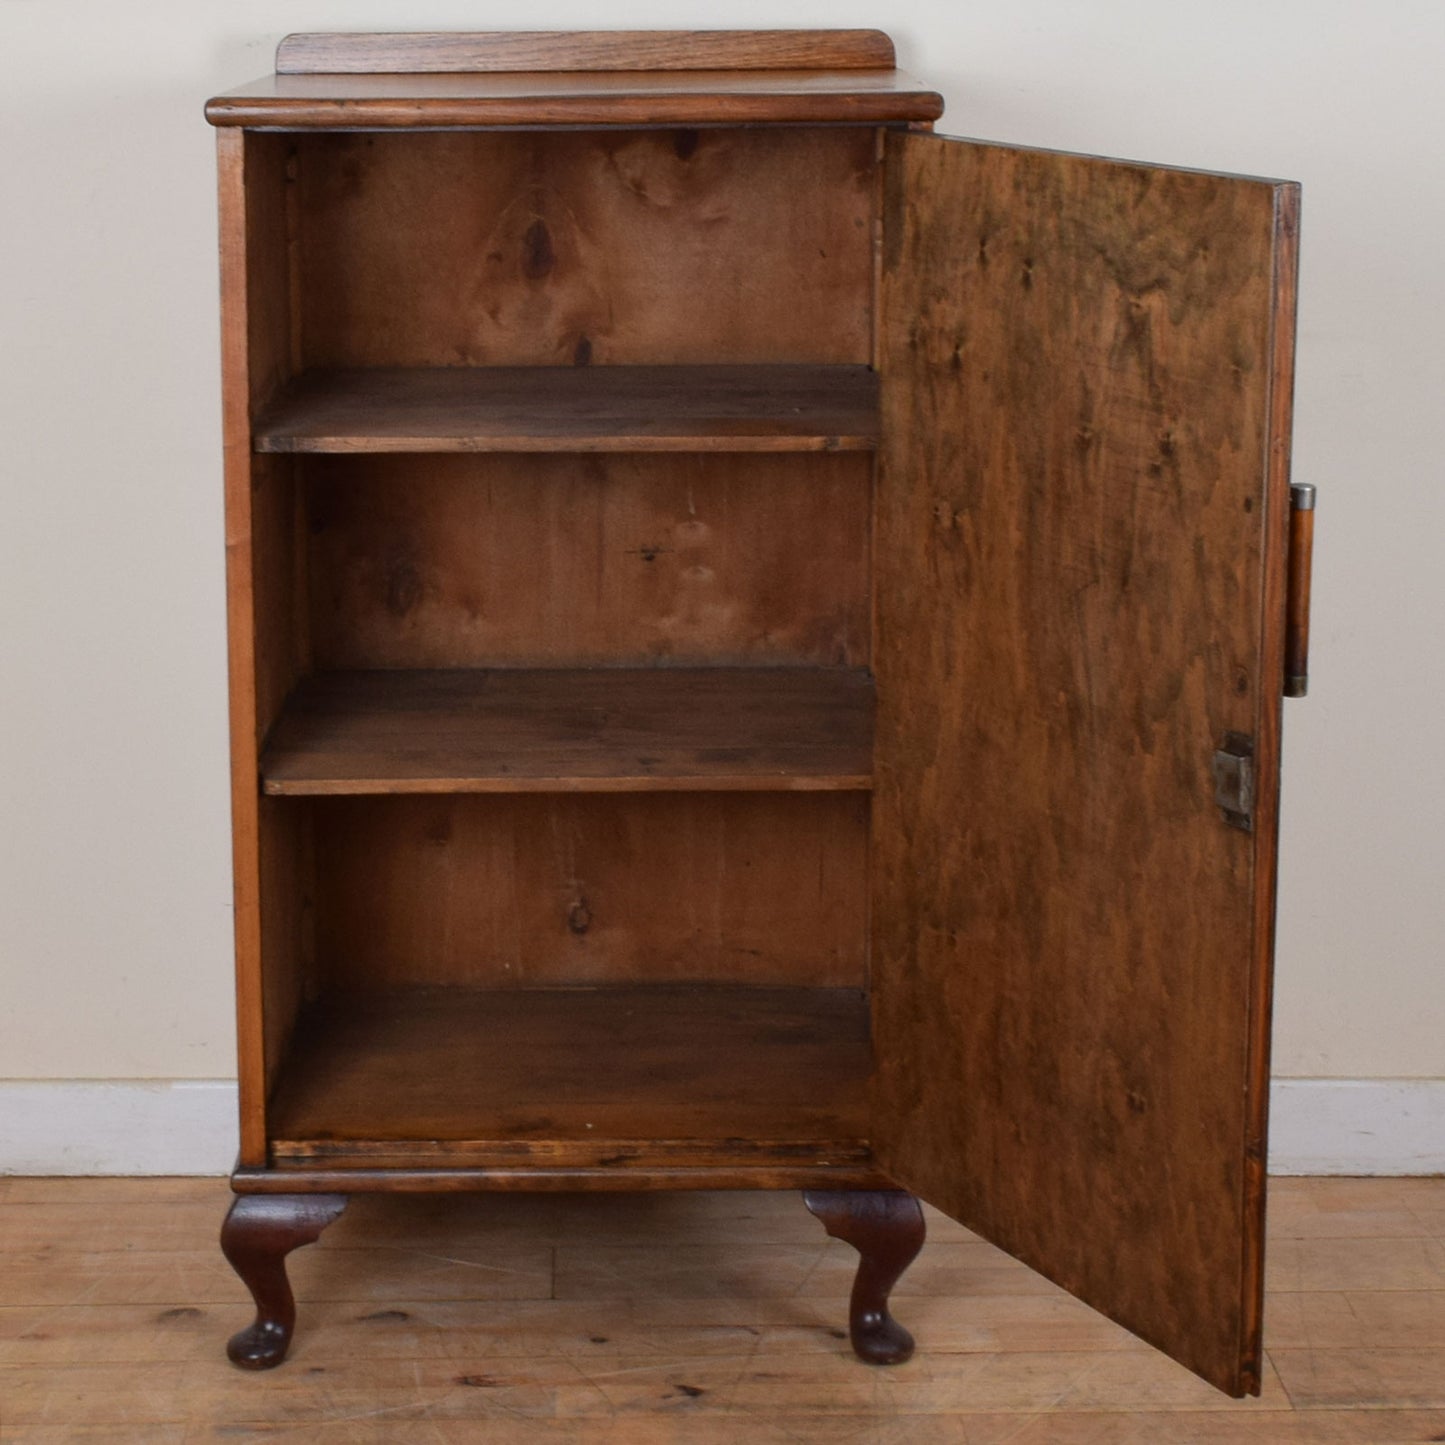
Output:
x=574 y=730
x=575 y=409
x=618 y=1077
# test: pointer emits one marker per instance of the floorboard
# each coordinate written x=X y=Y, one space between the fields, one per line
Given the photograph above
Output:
x=697 y=1318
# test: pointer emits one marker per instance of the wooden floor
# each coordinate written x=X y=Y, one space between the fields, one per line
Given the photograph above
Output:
x=693 y=1318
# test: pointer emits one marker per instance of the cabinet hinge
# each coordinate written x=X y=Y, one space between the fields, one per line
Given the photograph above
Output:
x=1234 y=780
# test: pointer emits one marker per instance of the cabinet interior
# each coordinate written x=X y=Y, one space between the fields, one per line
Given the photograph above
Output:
x=564 y=678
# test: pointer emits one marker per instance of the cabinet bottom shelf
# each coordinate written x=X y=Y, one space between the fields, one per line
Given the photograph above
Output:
x=637 y=1081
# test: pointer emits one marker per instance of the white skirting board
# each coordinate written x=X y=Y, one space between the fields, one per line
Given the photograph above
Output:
x=188 y=1126
x=1357 y=1126
x=118 y=1126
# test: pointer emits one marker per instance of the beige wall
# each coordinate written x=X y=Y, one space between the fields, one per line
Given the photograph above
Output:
x=115 y=919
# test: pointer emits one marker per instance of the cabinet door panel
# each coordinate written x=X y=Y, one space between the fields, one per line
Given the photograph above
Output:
x=1082 y=505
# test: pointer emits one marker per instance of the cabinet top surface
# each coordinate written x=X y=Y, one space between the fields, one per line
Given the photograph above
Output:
x=634 y=78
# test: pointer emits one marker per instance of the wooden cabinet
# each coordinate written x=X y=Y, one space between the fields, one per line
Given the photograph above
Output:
x=757 y=635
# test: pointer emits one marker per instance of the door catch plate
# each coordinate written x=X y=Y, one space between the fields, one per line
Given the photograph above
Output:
x=1233 y=769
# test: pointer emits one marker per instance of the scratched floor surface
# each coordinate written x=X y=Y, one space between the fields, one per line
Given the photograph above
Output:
x=693 y=1318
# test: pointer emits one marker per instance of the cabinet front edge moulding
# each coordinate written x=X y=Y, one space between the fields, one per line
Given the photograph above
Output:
x=680 y=98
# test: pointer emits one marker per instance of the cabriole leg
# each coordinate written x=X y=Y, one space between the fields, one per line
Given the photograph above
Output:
x=259 y=1232
x=886 y=1228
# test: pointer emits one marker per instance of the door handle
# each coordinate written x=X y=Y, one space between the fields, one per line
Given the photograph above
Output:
x=1297 y=593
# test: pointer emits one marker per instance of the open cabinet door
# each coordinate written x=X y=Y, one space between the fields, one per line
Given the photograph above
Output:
x=1082 y=522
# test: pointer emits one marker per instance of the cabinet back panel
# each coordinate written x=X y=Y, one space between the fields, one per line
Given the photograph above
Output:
x=458 y=561
x=554 y=890
x=529 y=249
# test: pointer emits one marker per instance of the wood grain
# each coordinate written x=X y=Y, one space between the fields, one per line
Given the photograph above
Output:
x=579 y=730
x=287 y=868
x=617 y=1077
x=613 y=560
x=584 y=1315
x=657 y=247
x=264 y=653
x=240 y=640
x=338 y=52
x=280 y=651
x=643 y=1167
x=575 y=409
x=1078 y=514
x=689 y=98
x=538 y=891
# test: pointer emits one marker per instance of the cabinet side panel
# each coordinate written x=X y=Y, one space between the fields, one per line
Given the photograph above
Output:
x=280 y=620
x=570 y=247
x=264 y=648
x=507 y=892
x=270 y=321
x=278 y=559
x=435 y=561
x=1079 y=505
x=241 y=653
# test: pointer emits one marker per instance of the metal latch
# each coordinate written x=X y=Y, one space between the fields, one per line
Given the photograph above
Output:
x=1234 y=780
